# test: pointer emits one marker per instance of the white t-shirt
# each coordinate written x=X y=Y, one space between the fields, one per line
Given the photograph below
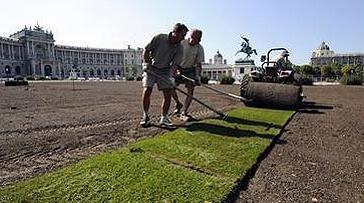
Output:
x=192 y=55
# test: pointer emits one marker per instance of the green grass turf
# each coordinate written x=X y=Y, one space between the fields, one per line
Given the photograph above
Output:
x=201 y=162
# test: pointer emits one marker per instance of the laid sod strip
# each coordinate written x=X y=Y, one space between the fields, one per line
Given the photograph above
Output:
x=195 y=164
x=216 y=147
x=121 y=176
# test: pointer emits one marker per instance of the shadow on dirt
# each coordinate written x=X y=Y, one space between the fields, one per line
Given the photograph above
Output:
x=314 y=108
x=243 y=182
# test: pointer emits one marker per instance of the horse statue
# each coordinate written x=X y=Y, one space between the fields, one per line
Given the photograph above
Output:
x=246 y=48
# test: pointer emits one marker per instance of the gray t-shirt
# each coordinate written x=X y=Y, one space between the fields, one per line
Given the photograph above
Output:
x=163 y=53
x=192 y=55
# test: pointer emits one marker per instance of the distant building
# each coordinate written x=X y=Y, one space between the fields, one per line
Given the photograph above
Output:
x=218 y=68
x=32 y=52
x=324 y=56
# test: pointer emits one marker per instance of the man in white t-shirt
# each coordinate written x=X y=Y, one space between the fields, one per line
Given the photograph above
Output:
x=282 y=62
x=192 y=58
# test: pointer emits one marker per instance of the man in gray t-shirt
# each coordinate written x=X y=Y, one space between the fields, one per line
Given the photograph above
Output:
x=161 y=55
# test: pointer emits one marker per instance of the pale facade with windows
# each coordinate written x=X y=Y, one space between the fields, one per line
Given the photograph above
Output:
x=324 y=56
x=217 y=69
x=32 y=52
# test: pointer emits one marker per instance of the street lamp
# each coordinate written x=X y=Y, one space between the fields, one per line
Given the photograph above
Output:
x=73 y=75
x=7 y=71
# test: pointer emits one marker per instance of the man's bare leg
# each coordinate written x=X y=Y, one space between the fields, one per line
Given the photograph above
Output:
x=165 y=107
x=176 y=100
x=166 y=101
x=190 y=90
x=147 y=91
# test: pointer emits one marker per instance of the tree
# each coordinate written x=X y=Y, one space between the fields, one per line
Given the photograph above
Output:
x=307 y=70
x=336 y=68
x=317 y=70
x=359 y=69
x=326 y=70
x=346 y=70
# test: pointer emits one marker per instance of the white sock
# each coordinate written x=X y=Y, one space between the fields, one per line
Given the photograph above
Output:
x=145 y=114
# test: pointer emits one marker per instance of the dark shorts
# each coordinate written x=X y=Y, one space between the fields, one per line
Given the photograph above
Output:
x=188 y=72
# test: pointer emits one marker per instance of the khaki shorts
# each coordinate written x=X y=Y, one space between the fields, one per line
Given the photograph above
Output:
x=160 y=76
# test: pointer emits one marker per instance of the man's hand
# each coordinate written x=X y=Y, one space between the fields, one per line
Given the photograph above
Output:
x=176 y=70
x=145 y=67
x=173 y=81
x=198 y=81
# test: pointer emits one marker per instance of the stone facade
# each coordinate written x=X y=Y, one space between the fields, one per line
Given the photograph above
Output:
x=243 y=67
x=324 y=56
x=217 y=69
x=32 y=52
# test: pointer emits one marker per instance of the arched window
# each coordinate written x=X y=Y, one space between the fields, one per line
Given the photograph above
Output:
x=98 y=72
x=47 y=70
x=112 y=72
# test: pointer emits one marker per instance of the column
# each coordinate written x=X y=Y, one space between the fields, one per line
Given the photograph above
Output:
x=20 y=53
x=48 y=51
x=12 y=52
x=28 y=50
x=9 y=52
x=1 y=49
x=33 y=49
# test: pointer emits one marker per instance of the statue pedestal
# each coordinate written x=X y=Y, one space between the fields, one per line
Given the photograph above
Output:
x=243 y=67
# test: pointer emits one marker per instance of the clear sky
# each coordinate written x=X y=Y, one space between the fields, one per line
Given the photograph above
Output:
x=298 y=25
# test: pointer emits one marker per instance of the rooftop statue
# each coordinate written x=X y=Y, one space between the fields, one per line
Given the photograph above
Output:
x=38 y=28
x=246 y=48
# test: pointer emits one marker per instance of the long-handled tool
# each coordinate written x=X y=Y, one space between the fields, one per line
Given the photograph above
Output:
x=221 y=114
x=218 y=91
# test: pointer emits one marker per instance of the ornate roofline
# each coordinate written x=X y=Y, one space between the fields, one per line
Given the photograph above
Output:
x=9 y=39
x=94 y=49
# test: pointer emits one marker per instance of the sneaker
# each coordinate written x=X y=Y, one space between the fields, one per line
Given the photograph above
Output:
x=145 y=121
x=178 y=109
x=186 y=117
x=165 y=122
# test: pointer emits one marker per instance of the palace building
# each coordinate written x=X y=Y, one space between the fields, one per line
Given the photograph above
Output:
x=324 y=56
x=33 y=52
x=216 y=69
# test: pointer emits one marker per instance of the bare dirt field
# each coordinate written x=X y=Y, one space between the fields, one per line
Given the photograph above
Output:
x=319 y=157
x=48 y=125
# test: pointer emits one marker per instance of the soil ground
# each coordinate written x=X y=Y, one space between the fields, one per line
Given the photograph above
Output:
x=320 y=154
x=319 y=157
x=48 y=125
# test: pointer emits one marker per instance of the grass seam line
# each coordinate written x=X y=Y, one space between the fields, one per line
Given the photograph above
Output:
x=188 y=166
